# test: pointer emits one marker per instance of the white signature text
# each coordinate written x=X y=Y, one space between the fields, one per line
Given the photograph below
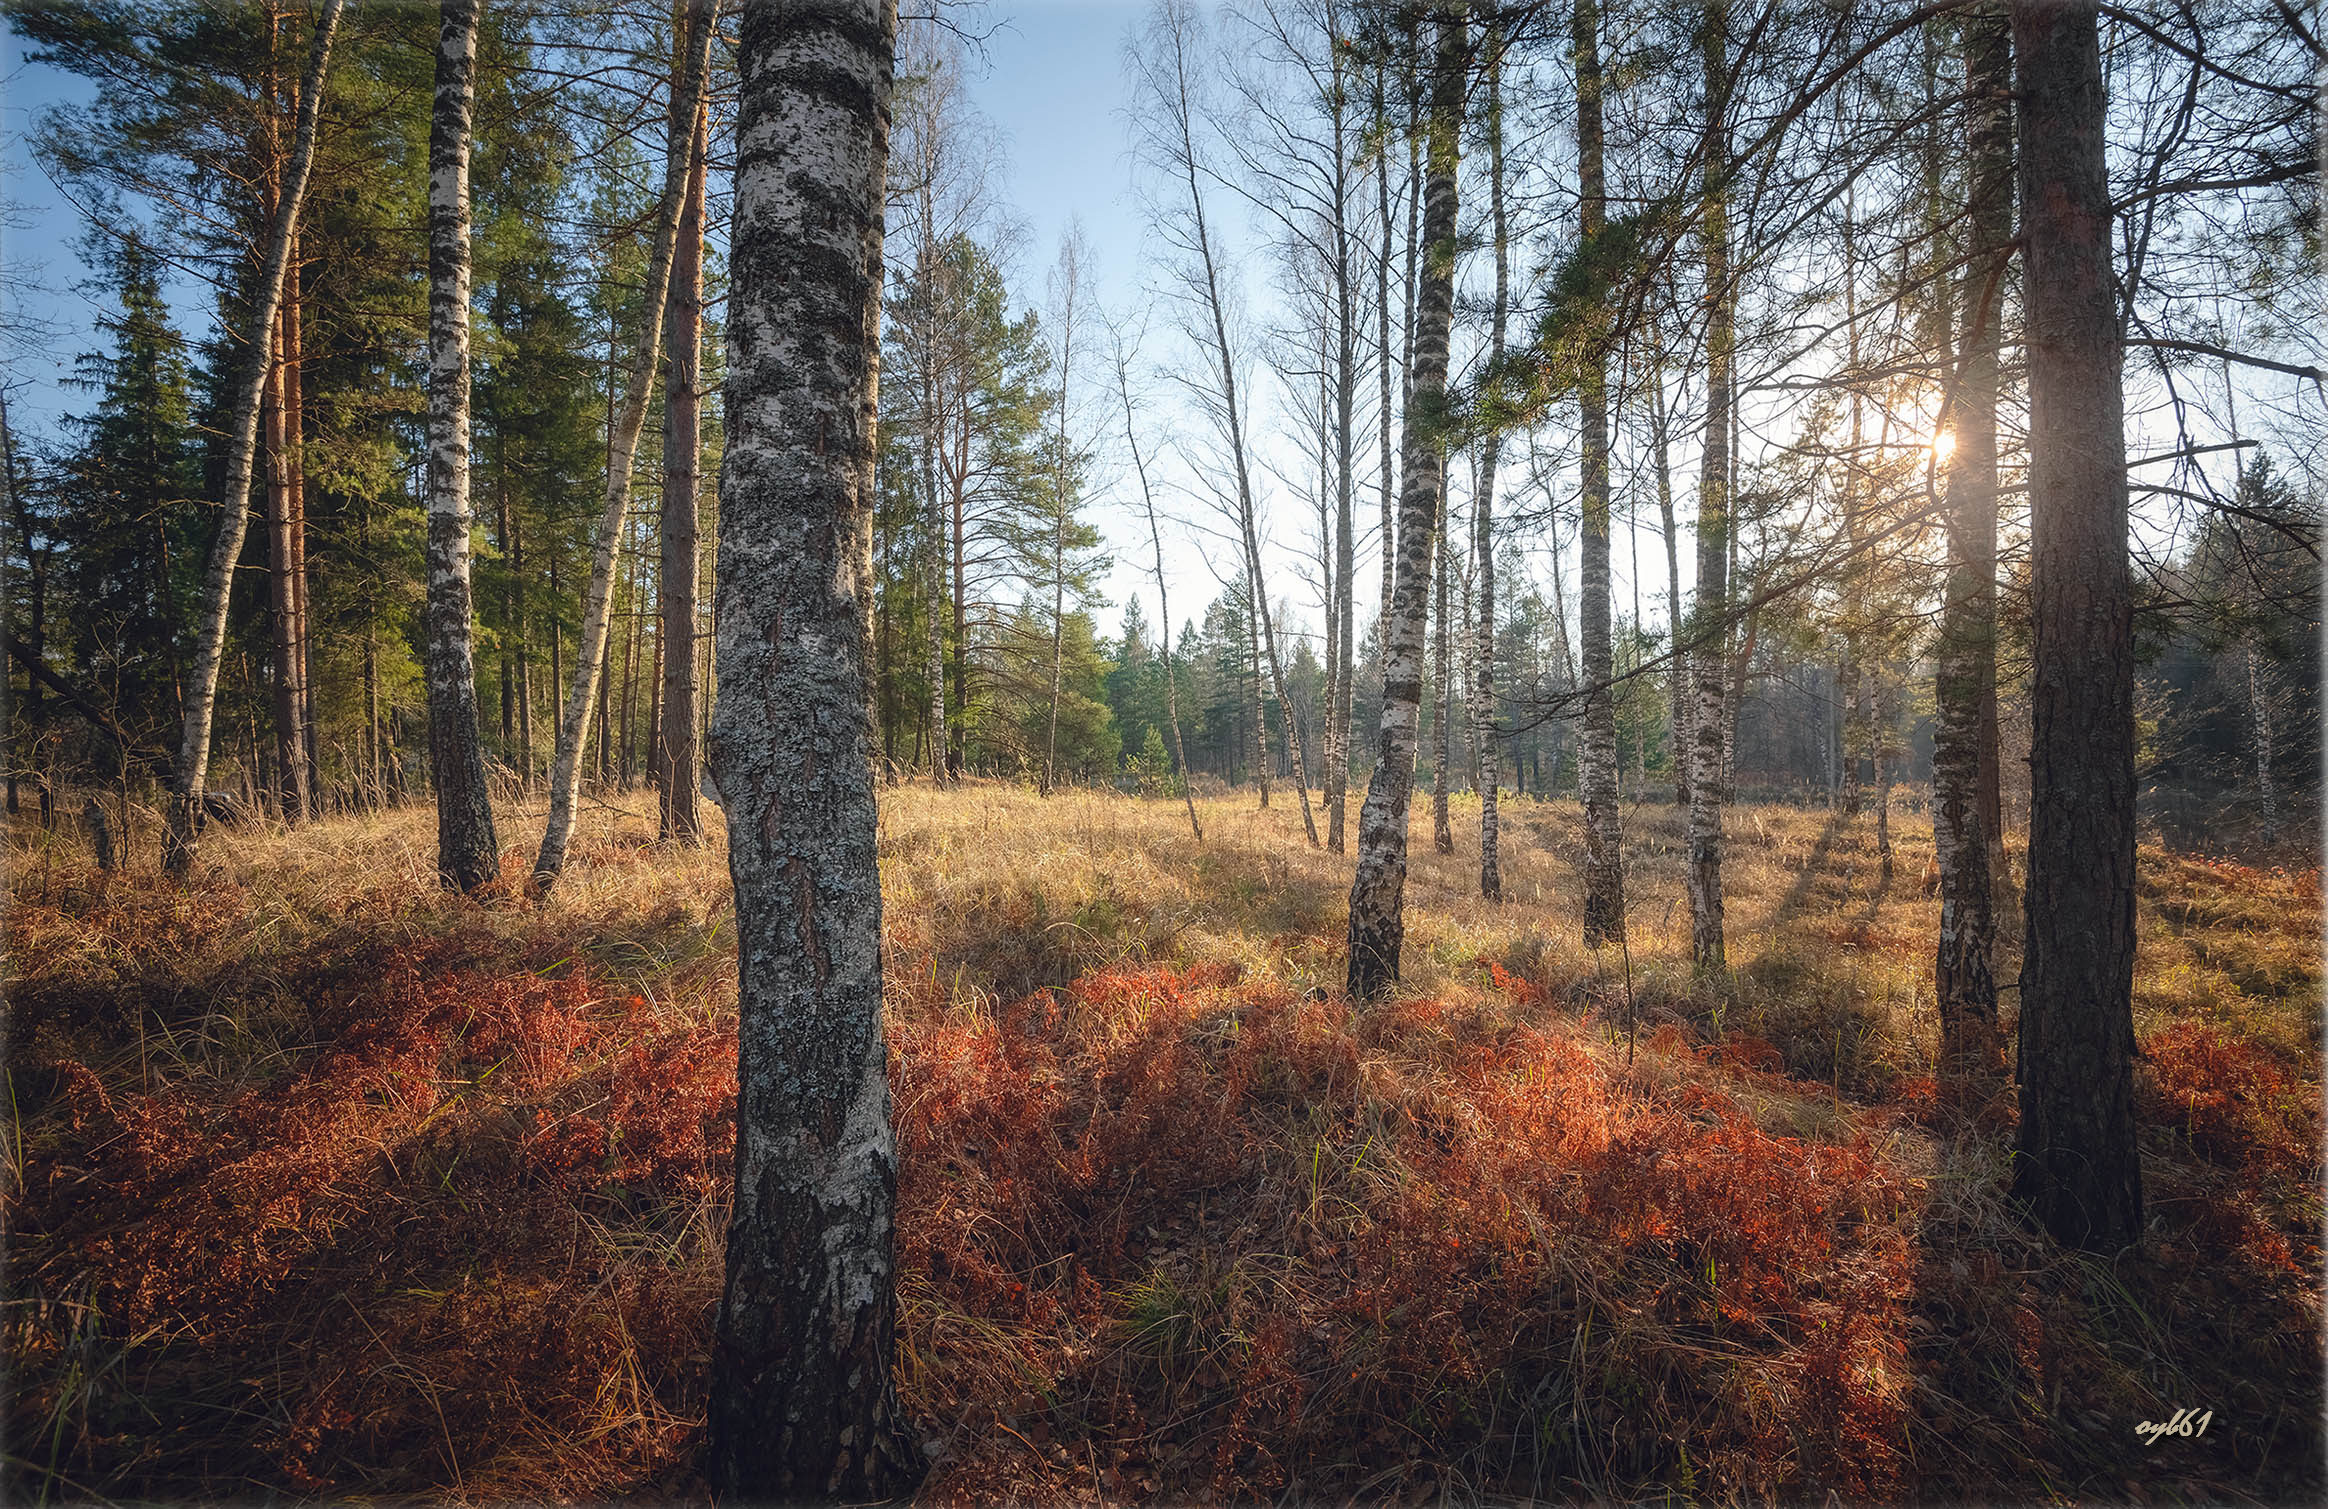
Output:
x=2186 y=1422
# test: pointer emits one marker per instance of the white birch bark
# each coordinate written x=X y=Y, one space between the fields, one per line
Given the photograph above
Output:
x=179 y=844
x=690 y=80
x=1378 y=889
x=1706 y=792
x=802 y=1407
x=1488 y=774
x=467 y=854
x=1604 y=874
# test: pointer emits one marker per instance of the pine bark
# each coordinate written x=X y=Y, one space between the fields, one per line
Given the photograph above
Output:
x=2078 y=1171
x=279 y=422
x=689 y=81
x=180 y=844
x=467 y=853
x=283 y=600
x=680 y=534
x=1378 y=890
x=1713 y=535
x=1963 y=977
x=802 y=1404
x=1604 y=866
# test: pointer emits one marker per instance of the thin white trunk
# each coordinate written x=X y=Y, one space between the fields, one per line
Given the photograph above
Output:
x=467 y=852
x=242 y=431
x=690 y=80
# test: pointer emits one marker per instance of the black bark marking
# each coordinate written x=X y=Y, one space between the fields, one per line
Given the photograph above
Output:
x=804 y=916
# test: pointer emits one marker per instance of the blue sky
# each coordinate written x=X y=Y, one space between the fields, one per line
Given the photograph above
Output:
x=1050 y=76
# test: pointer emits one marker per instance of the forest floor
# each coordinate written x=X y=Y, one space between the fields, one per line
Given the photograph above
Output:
x=326 y=1185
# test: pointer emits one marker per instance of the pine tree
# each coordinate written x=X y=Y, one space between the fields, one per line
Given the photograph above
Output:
x=2077 y=1168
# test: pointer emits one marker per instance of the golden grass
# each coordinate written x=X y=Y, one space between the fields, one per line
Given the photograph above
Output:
x=552 y=1348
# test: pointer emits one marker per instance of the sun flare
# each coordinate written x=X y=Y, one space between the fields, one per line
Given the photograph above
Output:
x=1943 y=446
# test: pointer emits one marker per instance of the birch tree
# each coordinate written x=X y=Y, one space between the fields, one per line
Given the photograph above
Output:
x=2077 y=1169
x=1297 y=153
x=1483 y=505
x=1167 y=69
x=1604 y=872
x=689 y=81
x=1443 y=678
x=180 y=842
x=802 y=1406
x=1123 y=374
x=1377 y=926
x=1066 y=294
x=467 y=854
x=1709 y=659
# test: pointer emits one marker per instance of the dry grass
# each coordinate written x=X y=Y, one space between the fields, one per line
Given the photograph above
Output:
x=325 y=1184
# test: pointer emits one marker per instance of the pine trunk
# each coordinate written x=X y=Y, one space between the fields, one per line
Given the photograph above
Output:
x=1378 y=890
x=1964 y=983
x=2077 y=1170
x=802 y=1405
x=181 y=842
x=283 y=601
x=676 y=760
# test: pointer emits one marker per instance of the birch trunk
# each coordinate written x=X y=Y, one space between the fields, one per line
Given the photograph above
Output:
x=1388 y=475
x=1964 y=983
x=180 y=842
x=467 y=854
x=2259 y=709
x=2077 y=1171
x=1483 y=507
x=1677 y=674
x=1335 y=779
x=1705 y=776
x=1442 y=680
x=1070 y=280
x=1604 y=870
x=680 y=535
x=802 y=1406
x=1186 y=167
x=1163 y=597
x=689 y=81
x=1378 y=890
